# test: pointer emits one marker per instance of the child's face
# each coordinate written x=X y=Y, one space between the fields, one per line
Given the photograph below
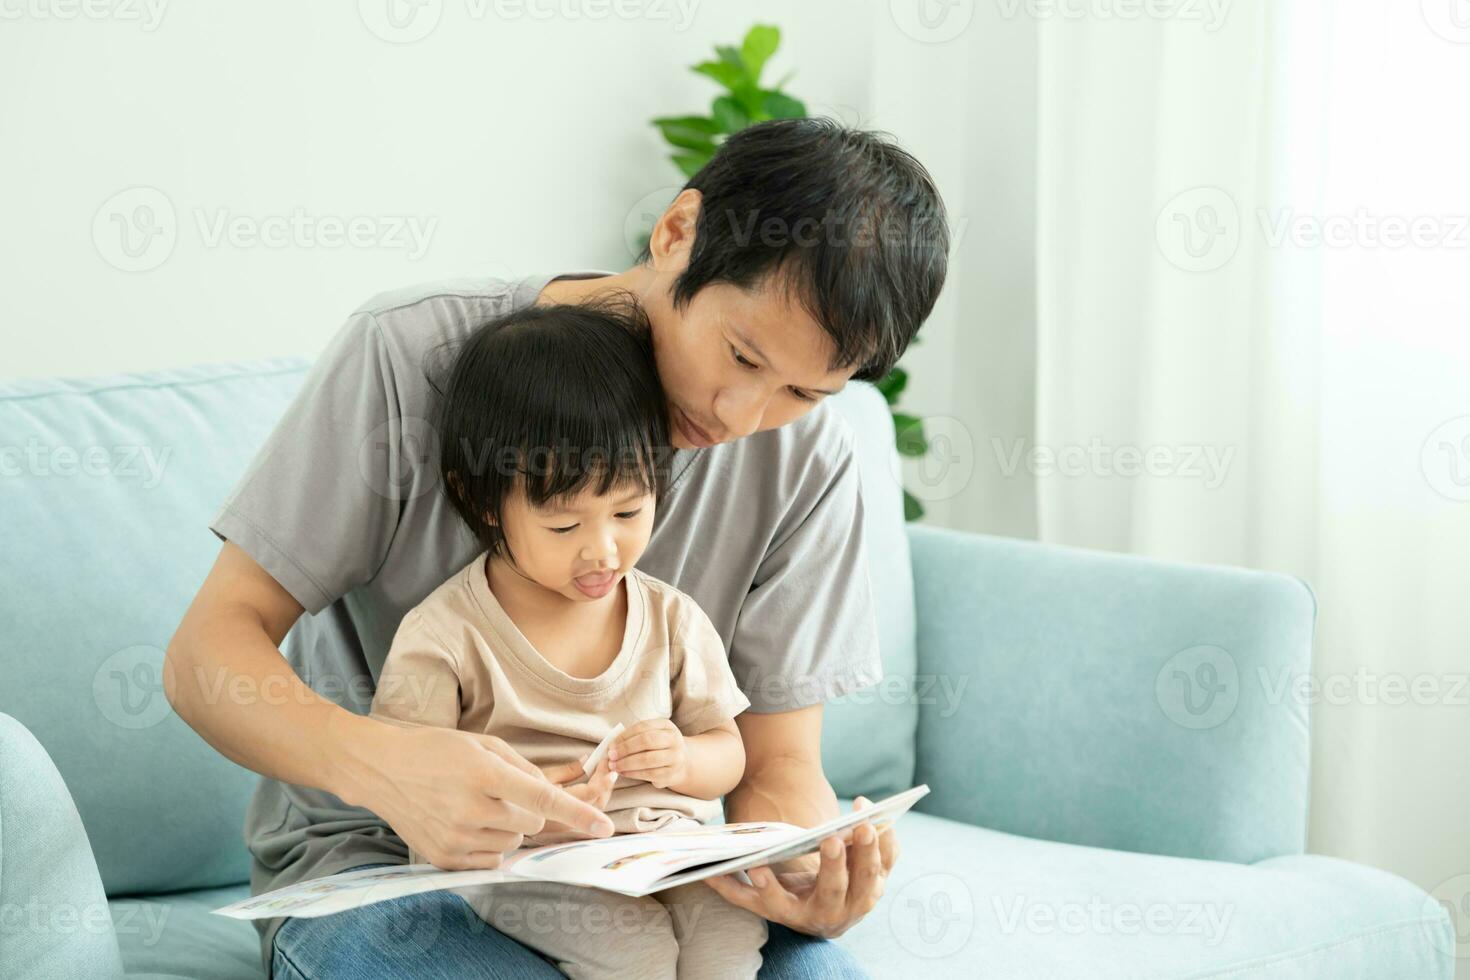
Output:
x=579 y=548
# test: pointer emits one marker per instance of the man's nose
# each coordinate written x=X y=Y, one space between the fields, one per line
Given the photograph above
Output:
x=740 y=410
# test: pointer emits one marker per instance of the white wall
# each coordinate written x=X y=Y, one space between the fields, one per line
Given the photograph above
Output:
x=519 y=141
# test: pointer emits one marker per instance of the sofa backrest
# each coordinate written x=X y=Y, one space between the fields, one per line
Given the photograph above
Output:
x=106 y=490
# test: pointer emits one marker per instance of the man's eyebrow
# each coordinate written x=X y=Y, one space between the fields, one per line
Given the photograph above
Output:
x=740 y=334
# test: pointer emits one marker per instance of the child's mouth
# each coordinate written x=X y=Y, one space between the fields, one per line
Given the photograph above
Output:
x=596 y=585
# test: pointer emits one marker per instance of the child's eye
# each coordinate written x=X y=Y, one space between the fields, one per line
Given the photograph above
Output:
x=628 y=514
x=562 y=530
x=802 y=396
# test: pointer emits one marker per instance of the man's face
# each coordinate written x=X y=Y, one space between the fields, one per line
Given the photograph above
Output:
x=738 y=361
x=733 y=361
x=582 y=547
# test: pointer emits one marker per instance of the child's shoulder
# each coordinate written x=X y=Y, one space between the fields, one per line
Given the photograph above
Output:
x=452 y=599
x=666 y=602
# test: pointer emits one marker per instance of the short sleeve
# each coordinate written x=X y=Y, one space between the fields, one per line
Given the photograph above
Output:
x=807 y=631
x=419 y=684
x=704 y=690
x=319 y=503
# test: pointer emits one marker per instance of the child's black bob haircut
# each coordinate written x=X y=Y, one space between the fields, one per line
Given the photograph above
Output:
x=551 y=401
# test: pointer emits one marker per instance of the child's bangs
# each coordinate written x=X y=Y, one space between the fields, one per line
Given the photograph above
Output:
x=557 y=475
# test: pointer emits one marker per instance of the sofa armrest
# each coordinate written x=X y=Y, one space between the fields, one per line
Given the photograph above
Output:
x=1112 y=700
x=54 y=918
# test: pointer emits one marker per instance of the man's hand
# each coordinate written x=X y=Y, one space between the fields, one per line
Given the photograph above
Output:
x=651 y=750
x=826 y=902
x=596 y=791
x=460 y=799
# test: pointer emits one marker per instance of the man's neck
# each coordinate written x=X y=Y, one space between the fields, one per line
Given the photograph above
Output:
x=637 y=280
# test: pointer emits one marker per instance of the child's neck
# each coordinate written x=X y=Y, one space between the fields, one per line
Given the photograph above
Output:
x=579 y=638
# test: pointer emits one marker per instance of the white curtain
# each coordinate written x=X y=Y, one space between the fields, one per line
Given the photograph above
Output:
x=1253 y=286
x=1210 y=303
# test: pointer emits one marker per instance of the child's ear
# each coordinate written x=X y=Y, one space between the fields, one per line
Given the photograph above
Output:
x=490 y=519
x=455 y=484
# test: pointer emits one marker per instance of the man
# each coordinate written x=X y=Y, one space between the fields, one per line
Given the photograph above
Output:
x=805 y=254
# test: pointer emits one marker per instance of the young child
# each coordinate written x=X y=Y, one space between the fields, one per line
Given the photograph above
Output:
x=553 y=442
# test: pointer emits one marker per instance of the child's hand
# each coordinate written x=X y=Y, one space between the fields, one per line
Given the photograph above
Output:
x=596 y=791
x=651 y=750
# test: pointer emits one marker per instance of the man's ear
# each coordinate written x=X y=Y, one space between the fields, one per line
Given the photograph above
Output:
x=672 y=237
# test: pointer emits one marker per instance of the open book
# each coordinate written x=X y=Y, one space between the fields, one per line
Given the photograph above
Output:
x=631 y=864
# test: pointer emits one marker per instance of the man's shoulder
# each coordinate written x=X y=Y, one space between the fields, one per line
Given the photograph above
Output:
x=422 y=298
x=668 y=602
x=411 y=317
x=816 y=445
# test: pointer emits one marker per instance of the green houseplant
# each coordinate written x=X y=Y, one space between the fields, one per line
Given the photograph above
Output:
x=743 y=101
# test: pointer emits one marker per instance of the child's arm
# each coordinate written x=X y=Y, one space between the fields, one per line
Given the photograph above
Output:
x=704 y=766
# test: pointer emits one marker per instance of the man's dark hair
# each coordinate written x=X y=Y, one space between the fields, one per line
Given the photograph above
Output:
x=549 y=401
x=851 y=223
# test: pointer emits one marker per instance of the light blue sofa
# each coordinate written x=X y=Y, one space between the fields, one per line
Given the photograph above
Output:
x=1116 y=791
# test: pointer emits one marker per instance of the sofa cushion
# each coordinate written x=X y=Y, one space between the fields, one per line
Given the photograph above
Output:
x=868 y=735
x=966 y=902
x=53 y=913
x=108 y=488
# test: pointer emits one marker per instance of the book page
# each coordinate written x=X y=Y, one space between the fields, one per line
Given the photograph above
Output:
x=632 y=864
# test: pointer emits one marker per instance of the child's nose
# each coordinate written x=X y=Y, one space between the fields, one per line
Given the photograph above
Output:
x=601 y=551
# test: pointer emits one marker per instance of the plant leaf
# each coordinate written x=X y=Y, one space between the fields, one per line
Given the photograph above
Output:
x=689 y=163
x=909 y=432
x=892 y=384
x=761 y=41
x=730 y=56
x=723 y=72
x=703 y=124
x=752 y=100
x=779 y=105
x=689 y=132
x=729 y=117
x=912 y=509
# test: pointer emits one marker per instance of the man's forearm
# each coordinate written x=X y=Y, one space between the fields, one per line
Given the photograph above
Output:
x=790 y=790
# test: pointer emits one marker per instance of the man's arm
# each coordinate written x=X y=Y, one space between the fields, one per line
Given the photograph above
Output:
x=783 y=770
x=230 y=635
x=227 y=679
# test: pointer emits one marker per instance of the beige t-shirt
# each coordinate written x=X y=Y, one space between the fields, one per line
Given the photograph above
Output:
x=459 y=661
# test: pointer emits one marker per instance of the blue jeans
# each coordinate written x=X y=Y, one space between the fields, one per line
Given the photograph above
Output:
x=437 y=935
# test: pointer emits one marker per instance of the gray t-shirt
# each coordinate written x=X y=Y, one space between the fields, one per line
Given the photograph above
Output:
x=342 y=506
